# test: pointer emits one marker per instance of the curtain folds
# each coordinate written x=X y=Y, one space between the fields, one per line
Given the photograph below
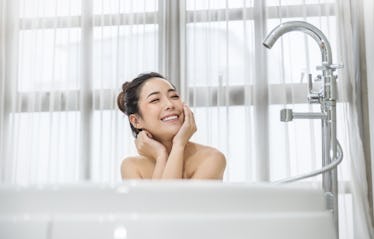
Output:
x=349 y=24
x=237 y=95
x=62 y=64
x=2 y=84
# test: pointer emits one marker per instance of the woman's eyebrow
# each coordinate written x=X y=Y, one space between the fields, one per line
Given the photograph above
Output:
x=153 y=93
x=158 y=92
x=172 y=90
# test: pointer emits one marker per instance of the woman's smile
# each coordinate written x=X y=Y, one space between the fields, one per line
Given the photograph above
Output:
x=171 y=118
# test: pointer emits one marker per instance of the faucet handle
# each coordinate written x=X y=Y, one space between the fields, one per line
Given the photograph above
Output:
x=337 y=66
x=333 y=67
x=286 y=115
x=313 y=96
x=318 y=78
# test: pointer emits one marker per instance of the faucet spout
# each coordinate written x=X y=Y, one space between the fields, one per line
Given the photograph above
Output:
x=307 y=28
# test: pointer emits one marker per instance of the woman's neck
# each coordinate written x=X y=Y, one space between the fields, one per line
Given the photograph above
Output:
x=168 y=145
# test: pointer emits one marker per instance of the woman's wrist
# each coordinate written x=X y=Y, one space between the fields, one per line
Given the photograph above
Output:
x=162 y=157
x=179 y=146
x=179 y=142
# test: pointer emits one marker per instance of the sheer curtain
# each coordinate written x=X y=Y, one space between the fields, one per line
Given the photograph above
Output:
x=351 y=32
x=62 y=63
x=237 y=88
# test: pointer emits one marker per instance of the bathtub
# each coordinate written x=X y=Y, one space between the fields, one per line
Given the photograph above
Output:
x=164 y=210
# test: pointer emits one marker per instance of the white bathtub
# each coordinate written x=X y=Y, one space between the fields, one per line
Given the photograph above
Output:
x=165 y=210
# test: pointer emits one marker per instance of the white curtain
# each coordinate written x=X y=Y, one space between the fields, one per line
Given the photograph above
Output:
x=247 y=85
x=62 y=63
x=237 y=88
x=351 y=34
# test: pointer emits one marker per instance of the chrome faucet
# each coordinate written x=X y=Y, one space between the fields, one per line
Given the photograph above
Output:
x=327 y=67
x=305 y=27
x=332 y=153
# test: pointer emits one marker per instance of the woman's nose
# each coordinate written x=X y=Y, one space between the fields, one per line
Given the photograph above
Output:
x=168 y=104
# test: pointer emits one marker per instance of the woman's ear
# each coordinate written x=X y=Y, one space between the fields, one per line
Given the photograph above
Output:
x=135 y=121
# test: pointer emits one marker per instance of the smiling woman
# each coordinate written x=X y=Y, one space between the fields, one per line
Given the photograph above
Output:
x=163 y=126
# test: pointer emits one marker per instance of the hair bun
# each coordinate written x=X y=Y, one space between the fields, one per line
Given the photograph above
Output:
x=121 y=99
x=125 y=86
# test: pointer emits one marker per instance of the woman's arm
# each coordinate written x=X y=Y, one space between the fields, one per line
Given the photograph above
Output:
x=154 y=150
x=175 y=162
x=168 y=166
x=174 y=165
x=159 y=167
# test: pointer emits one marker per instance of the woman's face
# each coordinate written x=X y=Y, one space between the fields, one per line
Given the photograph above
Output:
x=161 y=109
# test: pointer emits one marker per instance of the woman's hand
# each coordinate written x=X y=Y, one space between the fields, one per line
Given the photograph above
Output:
x=149 y=147
x=187 y=129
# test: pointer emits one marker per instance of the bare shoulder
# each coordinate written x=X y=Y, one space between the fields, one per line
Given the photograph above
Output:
x=215 y=157
x=208 y=152
x=131 y=167
x=211 y=162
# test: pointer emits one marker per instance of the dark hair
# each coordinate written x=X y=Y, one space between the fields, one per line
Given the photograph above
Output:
x=127 y=100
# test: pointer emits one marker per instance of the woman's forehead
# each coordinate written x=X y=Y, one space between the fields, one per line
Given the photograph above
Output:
x=155 y=84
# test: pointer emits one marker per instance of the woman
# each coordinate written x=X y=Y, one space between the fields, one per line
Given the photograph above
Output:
x=163 y=126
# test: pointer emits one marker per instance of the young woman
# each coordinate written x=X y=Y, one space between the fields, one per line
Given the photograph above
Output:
x=163 y=126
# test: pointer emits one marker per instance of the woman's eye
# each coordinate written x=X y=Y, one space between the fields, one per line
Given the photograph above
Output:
x=154 y=100
x=175 y=96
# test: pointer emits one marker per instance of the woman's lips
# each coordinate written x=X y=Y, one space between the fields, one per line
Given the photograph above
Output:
x=170 y=118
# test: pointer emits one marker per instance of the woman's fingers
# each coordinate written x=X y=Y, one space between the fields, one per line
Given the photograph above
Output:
x=149 y=135
x=188 y=128
x=147 y=146
x=141 y=139
x=189 y=118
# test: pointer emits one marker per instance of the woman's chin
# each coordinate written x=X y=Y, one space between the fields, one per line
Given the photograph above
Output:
x=167 y=135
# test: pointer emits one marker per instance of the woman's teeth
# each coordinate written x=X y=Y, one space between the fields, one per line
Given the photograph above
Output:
x=170 y=118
